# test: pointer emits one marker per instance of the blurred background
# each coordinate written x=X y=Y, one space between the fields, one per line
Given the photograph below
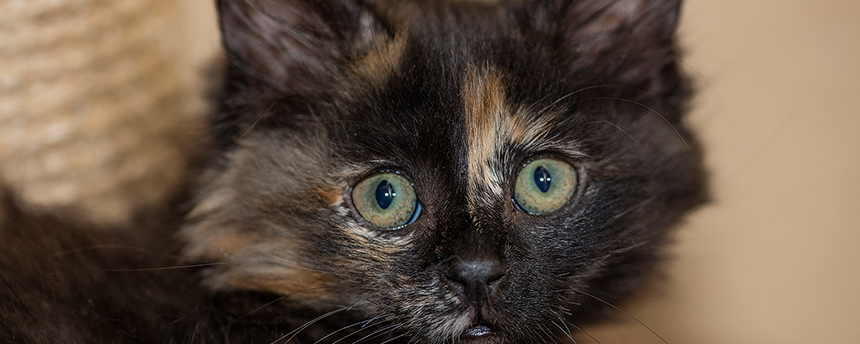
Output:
x=773 y=258
x=770 y=260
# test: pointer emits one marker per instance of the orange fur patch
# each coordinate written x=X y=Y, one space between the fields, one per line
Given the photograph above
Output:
x=381 y=60
x=485 y=110
x=302 y=283
x=491 y=127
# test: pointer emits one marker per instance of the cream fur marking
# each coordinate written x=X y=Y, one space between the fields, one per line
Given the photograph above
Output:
x=485 y=111
x=491 y=127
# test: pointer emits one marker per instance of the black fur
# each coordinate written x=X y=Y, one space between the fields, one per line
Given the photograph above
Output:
x=308 y=109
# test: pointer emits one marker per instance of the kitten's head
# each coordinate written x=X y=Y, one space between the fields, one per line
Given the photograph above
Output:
x=464 y=171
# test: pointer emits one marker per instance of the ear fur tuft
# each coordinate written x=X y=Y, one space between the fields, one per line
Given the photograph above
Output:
x=293 y=46
x=598 y=27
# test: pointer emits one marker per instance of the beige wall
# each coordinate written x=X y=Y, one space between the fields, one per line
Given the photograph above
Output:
x=774 y=259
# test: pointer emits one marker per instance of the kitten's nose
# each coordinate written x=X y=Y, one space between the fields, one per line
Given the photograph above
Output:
x=477 y=275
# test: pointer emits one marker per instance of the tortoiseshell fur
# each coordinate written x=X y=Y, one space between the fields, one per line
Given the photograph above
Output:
x=456 y=96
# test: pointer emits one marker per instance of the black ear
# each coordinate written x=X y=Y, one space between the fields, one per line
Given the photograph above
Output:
x=619 y=42
x=293 y=45
x=599 y=25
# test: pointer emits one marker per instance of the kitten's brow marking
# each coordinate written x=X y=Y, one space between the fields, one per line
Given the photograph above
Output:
x=484 y=110
x=492 y=126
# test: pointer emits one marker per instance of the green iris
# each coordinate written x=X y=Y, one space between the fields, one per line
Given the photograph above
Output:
x=545 y=185
x=387 y=200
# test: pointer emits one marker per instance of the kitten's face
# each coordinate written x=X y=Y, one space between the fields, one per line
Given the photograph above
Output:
x=458 y=172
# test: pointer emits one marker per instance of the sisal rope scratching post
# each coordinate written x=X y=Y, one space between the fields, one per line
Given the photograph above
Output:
x=98 y=109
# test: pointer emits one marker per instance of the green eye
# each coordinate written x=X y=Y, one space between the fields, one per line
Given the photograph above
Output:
x=544 y=185
x=387 y=200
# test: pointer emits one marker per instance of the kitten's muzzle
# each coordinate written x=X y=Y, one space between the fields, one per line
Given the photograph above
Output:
x=477 y=277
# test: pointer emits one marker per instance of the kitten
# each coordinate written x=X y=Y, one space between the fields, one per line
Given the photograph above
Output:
x=397 y=172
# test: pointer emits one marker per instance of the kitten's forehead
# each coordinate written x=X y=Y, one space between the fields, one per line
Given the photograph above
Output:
x=493 y=126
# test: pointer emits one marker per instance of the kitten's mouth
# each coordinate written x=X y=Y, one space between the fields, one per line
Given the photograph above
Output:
x=477 y=331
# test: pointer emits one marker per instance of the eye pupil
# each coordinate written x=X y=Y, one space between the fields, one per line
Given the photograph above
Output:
x=385 y=194
x=543 y=179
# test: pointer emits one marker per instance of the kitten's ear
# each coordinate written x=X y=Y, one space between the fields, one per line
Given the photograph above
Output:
x=293 y=45
x=598 y=25
x=626 y=42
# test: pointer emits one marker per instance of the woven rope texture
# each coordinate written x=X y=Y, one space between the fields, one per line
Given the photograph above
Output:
x=95 y=112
